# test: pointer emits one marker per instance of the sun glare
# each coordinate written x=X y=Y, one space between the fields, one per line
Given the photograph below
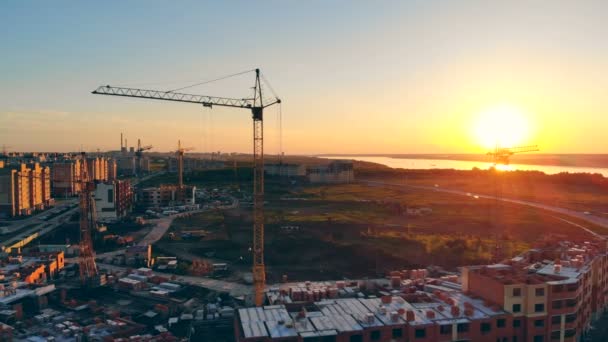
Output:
x=505 y=126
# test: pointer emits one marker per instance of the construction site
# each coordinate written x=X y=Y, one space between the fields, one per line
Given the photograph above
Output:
x=172 y=247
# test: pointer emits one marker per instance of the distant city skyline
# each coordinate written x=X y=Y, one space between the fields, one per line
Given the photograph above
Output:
x=354 y=77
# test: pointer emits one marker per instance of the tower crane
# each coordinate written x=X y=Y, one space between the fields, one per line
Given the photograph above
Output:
x=139 y=154
x=256 y=105
x=501 y=155
x=180 y=168
x=88 y=221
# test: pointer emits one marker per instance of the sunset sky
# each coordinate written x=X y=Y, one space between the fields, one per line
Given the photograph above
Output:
x=354 y=76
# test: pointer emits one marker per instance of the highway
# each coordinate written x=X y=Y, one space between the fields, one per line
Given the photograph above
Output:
x=40 y=228
x=599 y=221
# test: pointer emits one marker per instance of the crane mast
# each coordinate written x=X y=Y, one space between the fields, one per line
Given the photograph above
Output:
x=180 y=170
x=259 y=270
x=256 y=105
x=86 y=259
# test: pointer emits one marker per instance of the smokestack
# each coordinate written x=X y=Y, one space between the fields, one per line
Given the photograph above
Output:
x=121 y=141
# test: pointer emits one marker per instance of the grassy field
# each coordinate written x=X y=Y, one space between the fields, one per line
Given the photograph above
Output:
x=581 y=192
x=338 y=224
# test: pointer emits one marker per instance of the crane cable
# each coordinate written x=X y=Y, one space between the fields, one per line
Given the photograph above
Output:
x=213 y=80
x=269 y=86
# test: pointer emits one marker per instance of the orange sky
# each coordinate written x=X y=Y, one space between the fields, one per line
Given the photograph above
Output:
x=406 y=77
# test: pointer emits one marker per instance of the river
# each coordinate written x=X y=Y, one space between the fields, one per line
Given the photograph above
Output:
x=419 y=164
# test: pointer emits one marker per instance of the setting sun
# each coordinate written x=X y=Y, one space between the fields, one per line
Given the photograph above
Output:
x=503 y=125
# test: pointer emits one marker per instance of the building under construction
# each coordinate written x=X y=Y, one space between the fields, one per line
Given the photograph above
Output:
x=552 y=293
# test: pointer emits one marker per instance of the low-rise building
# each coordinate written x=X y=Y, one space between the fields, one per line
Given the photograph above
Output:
x=338 y=171
x=285 y=170
x=167 y=195
x=194 y=164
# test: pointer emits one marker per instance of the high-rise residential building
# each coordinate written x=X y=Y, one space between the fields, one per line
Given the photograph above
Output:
x=126 y=165
x=97 y=168
x=24 y=190
x=112 y=170
x=40 y=187
x=65 y=178
x=65 y=174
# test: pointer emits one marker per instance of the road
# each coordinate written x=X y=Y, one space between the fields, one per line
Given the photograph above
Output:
x=599 y=221
x=234 y=289
x=40 y=229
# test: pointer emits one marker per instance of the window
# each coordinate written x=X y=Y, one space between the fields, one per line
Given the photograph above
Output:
x=375 y=335
x=539 y=292
x=356 y=338
x=462 y=327
x=557 y=304
x=539 y=307
x=570 y=318
x=514 y=338
x=517 y=292
x=555 y=335
x=571 y=303
x=397 y=333
x=570 y=333
x=445 y=329
x=516 y=323
x=556 y=320
x=420 y=333
x=110 y=195
x=516 y=308
x=501 y=322
x=539 y=323
x=539 y=338
x=485 y=327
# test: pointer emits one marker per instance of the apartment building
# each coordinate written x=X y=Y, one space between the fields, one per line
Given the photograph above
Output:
x=65 y=175
x=65 y=178
x=24 y=190
x=557 y=292
x=167 y=195
x=553 y=293
x=113 y=200
x=112 y=170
